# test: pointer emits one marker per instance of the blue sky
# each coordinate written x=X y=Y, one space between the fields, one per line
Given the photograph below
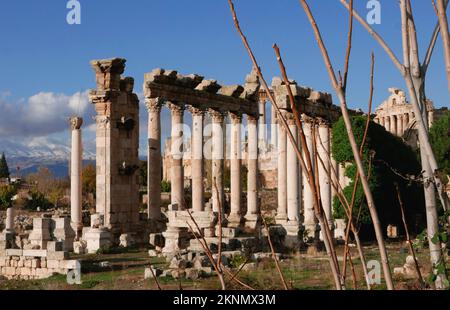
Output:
x=40 y=54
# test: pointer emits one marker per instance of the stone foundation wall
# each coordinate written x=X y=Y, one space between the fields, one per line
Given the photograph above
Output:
x=33 y=264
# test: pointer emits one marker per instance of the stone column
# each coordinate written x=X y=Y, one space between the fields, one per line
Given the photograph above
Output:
x=262 y=124
x=235 y=167
x=399 y=125
x=323 y=147
x=76 y=164
x=308 y=210
x=430 y=118
x=9 y=223
x=252 y=176
x=198 y=203
x=154 y=159
x=218 y=157
x=383 y=123
x=177 y=171
x=393 y=127
x=282 y=171
x=274 y=127
x=405 y=121
x=387 y=123
x=293 y=198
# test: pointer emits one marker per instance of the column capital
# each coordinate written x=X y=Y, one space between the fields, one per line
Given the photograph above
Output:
x=322 y=122
x=176 y=108
x=236 y=117
x=154 y=104
x=196 y=111
x=76 y=123
x=217 y=116
x=289 y=118
x=252 y=119
x=307 y=119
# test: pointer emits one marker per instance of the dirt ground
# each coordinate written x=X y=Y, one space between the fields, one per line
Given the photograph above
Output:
x=303 y=272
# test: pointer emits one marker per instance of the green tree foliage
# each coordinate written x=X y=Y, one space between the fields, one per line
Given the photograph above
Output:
x=4 y=170
x=38 y=199
x=143 y=173
x=391 y=159
x=7 y=192
x=89 y=179
x=165 y=186
x=440 y=141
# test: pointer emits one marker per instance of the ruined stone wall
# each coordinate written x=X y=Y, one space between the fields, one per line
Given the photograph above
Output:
x=34 y=264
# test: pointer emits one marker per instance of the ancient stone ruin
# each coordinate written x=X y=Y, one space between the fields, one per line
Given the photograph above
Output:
x=172 y=231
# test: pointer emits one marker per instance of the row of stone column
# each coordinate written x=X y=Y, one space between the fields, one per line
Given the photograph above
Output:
x=197 y=161
x=395 y=124
x=294 y=190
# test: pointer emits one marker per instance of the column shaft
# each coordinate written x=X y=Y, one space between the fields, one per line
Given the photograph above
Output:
x=154 y=159
x=76 y=164
x=197 y=161
x=217 y=160
x=252 y=176
x=235 y=167
x=262 y=124
x=282 y=177
x=323 y=147
x=177 y=171
x=308 y=211
x=293 y=206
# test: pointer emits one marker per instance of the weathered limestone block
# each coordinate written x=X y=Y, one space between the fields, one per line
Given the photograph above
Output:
x=97 y=238
x=339 y=231
x=55 y=246
x=64 y=232
x=189 y=81
x=161 y=76
x=209 y=86
x=79 y=247
x=232 y=91
x=34 y=253
x=176 y=238
x=408 y=270
x=41 y=232
x=126 y=240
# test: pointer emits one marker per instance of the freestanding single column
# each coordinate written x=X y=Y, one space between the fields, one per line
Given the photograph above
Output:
x=235 y=217
x=308 y=211
x=262 y=124
x=9 y=224
x=323 y=147
x=293 y=198
x=282 y=178
x=154 y=158
x=177 y=171
x=274 y=127
x=217 y=159
x=197 y=160
x=252 y=176
x=76 y=164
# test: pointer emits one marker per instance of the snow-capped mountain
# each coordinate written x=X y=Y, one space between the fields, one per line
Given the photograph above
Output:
x=25 y=157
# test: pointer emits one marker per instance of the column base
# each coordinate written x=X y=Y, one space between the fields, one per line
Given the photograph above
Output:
x=294 y=234
x=252 y=221
x=312 y=231
x=96 y=239
x=235 y=220
x=176 y=239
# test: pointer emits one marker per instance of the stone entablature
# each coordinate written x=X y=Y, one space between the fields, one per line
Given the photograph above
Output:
x=202 y=94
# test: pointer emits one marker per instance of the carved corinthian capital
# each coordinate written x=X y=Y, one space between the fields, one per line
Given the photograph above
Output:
x=76 y=123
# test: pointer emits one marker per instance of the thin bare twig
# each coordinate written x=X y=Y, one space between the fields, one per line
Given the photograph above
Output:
x=277 y=264
x=408 y=238
x=357 y=157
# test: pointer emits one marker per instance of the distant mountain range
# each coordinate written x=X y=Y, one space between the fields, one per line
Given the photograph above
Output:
x=30 y=157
